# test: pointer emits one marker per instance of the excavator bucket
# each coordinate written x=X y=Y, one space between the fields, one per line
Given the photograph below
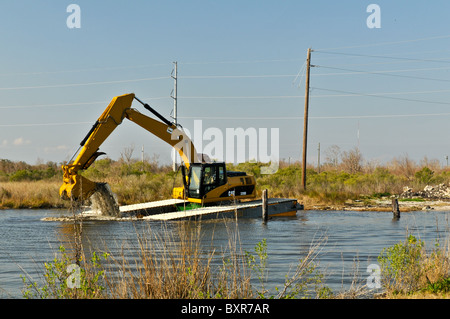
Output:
x=76 y=187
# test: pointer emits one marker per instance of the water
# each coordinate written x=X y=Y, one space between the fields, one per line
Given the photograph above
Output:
x=352 y=239
x=104 y=201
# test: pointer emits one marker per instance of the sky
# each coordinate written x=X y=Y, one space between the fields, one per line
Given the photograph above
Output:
x=383 y=88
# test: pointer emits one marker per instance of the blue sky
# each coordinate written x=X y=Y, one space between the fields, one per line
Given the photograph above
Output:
x=240 y=63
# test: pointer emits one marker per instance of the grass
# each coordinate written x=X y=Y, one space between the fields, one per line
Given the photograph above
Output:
x=36 y=186
x=175 y=263
x=411 y=270
x=31 y=194
x=172 y=264
x=411 y=200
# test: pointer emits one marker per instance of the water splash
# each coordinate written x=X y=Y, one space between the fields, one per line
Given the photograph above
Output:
x=104 y=201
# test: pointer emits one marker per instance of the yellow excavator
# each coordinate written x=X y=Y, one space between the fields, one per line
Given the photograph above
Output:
x=204 y=183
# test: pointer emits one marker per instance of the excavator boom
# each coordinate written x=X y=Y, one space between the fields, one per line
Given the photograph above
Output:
x=203 y=182
x=78 y=187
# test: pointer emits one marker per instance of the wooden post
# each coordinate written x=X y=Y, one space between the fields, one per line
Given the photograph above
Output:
x=305 y=118
x=395 y=208
x=265 y=206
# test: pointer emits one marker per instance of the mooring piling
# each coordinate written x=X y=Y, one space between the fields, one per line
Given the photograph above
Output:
x=265 y=206
x=395 y=208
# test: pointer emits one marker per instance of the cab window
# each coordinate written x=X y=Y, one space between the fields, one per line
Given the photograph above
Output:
x=210 y=176
x=221 y=175
x=194 y=185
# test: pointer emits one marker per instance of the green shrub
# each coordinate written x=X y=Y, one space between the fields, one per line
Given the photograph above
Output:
x=424 y=176
x=21 y=175
x=59 y=282
x=32 y=174
x=400 y=265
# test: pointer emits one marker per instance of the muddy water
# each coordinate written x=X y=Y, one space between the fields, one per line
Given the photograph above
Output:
x=104 y=201
x=353 y=239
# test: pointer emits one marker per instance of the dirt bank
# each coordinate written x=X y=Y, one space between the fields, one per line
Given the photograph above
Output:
x=380 y=205
x=431 y=197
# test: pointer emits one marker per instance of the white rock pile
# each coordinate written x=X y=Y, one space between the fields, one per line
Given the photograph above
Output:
x=440 y=191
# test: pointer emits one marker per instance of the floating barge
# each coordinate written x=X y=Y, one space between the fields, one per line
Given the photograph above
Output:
x=177 y=209
x=277 y=207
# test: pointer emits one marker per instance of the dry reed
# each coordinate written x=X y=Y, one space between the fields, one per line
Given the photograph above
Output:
x=172 y=265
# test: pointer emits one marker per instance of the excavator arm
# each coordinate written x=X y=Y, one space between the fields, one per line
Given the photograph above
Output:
x=78 y=187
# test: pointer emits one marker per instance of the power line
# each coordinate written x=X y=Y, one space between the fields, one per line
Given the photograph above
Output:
x=43 y=124
x=379 y=116
x=235 y=76
x=382 y=93
x=381 y=96
x=81 y=84
x=387 y=57
x=112 y=68
x=384 y=73
x=231 y=76
x=241 y=61
x=385 y=43
x=294 y=118
x=315 y=117
x=301 y=74
x=377 y=63
x=244 y=97
x=344 y=94
x=145 y=79
x=154 y=98
x=70 y=104
x=238 y=118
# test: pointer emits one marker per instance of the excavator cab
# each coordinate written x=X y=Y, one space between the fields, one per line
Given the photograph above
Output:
x=202 y=178
x=211 y=182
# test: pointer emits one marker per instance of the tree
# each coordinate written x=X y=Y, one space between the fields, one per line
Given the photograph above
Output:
x=332 y=155
x=352 y=160
x=127 y=154
x=403 y=165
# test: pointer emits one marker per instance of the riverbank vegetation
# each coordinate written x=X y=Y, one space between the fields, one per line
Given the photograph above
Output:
x=344 y=177
x=410 y=269
x=174 y=264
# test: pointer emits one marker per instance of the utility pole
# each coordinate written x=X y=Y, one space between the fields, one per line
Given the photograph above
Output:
x=318 y=158
x=174 y=97
x=142 y=157
x=305 y=118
